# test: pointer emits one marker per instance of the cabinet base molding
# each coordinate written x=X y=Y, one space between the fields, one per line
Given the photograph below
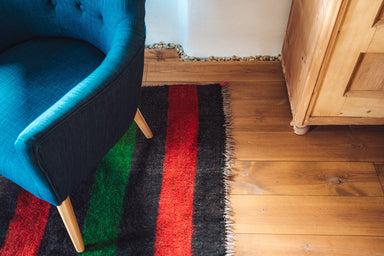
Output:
x=324 y=120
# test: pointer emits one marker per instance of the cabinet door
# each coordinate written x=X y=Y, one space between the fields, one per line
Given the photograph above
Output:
x=353 y=84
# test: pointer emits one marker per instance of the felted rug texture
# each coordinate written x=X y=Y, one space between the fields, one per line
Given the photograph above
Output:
x=164 y=196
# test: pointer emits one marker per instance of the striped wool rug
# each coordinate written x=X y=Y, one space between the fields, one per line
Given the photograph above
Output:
x=165 y=196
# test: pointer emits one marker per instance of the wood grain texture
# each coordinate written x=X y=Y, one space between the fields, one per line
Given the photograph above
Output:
x=320 y=57
x=331 y=120
x=308 y=34
x=142 y=124
x=260 y=106
x=317 y=215
x=262 y=118
x=380 y=172
x=354 y=38
x=304 y=245
x=305 y=178
x=379 y=20
x=155 y=55
x=378 y=39
x=259 y=92
x=368 y=75
x=320 y=144
x=328 y=57
x=214 y=71
x=373 y=106
x=69 y=219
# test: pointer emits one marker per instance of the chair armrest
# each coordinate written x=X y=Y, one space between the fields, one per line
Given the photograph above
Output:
x=65 y=143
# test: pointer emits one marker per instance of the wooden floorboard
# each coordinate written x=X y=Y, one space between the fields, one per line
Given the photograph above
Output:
x=324 y=145
x=316 y=215
x=260 y=106
x=259 y=92
x=306 y=178
x=304 y=245
x=318 y=194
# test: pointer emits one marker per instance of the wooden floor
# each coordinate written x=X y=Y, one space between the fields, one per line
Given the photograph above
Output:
x=318 y=194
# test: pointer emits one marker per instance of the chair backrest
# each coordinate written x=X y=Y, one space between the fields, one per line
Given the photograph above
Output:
x=94 y=21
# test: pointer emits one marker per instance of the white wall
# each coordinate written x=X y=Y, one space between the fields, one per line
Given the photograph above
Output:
x=219 y=27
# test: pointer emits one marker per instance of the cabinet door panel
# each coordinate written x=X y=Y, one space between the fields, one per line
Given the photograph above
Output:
x=368 y=75
x=353 y=84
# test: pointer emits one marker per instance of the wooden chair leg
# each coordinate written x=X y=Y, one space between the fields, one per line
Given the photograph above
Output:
x=140 y=121
x=70 y=222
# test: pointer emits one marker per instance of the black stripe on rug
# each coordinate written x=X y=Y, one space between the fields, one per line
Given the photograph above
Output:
x=138 y=221
x=209 y=204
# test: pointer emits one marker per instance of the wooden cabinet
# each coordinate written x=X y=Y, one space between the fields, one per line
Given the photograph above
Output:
x=333 y=62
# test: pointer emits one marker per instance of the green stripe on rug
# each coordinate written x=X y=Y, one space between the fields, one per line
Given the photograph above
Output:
x=101 y=225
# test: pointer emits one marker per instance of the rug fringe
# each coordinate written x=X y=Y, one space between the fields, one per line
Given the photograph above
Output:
x=228 y=174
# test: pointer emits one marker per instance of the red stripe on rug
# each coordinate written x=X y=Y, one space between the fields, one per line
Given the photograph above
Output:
x=26 y=229
x=174 y=223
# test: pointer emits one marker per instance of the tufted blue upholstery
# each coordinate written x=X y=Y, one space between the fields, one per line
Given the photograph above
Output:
x=100 y=22
x=70 y=77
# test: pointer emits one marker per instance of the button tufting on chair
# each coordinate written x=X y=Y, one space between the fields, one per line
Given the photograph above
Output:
x=53 y=2
x=80 y=6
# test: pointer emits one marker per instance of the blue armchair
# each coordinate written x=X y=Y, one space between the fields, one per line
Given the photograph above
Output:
x=70 y=78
